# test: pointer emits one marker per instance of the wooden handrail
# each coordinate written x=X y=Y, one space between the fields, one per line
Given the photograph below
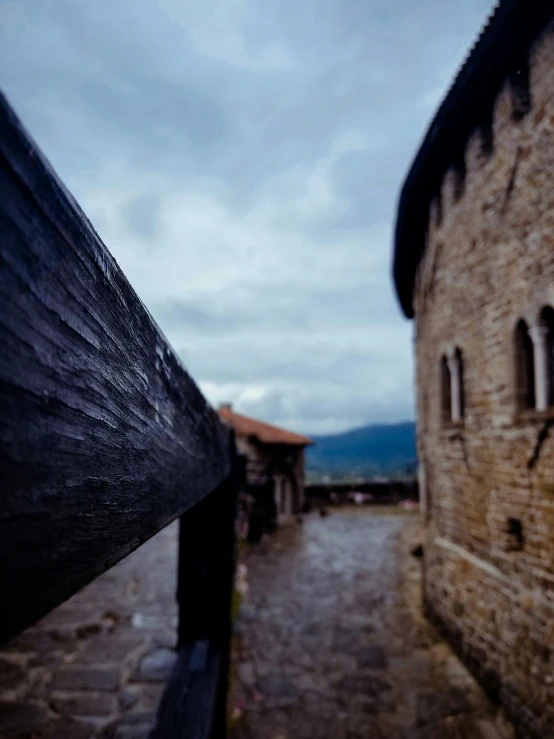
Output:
x=194 y=704
x=104 y=437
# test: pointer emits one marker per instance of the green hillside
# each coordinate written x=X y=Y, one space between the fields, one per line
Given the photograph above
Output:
x=363 y=452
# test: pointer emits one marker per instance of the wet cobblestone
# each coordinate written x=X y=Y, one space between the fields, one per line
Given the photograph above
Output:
x=97 y=665
x=331 y=643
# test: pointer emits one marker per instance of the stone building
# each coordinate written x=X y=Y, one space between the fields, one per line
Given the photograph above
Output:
x=474 y=265
x=273 y=455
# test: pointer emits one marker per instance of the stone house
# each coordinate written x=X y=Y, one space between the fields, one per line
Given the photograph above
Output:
x=474 y=265
x=273 y=456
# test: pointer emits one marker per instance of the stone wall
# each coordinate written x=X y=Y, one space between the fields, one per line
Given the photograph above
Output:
x=385 y=493
x=489 y=261
x=96 y=666
x=285 y=463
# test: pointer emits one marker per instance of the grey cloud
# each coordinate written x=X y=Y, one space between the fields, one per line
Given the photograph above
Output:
x=351 y=72
x=325 y=409
x=142 y=214
x=142 y=108
x=281 y=308
x=145 y=108
x=283 y=360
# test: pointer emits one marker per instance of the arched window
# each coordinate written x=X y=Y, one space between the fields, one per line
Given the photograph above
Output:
x=524 y=368
x=547 y=322
x=446 y=397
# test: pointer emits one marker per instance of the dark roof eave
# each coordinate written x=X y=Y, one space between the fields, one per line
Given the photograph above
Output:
x=305 y=443
x=503 y=44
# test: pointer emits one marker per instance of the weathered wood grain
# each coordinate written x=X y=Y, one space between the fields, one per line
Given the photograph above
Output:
x=104 y=437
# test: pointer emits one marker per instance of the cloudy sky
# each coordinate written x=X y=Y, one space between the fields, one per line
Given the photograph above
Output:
x=242 y=160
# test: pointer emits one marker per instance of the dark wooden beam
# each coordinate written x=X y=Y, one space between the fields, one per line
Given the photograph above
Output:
x=104 y=437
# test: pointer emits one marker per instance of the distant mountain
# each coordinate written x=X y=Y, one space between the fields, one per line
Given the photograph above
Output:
x=363 y=452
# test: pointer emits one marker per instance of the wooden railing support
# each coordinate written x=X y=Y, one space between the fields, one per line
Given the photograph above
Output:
x=195 y=701
x=206 y=562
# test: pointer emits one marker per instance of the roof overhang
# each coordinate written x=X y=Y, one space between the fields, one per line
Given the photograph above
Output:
x=264 y=433
x=500 y=50
x=279 y=443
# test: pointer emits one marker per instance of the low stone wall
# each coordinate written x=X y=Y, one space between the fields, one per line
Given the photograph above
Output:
x=96 y=666
x=499 y=628
x=389 y=492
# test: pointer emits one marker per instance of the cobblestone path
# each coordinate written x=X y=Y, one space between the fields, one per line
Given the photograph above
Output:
x=330 y=642
x=96 y=666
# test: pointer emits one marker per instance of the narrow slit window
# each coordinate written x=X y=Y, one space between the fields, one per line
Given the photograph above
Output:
x=459 y=178
x=521 y=92
x=525 y=368
x=515 y=539
x=487 y=136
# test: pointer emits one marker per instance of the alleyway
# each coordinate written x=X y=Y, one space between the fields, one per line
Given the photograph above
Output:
x=95 y=667
x=331 y=643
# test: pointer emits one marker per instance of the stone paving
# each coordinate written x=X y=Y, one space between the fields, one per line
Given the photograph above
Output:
x=96 y=666
x=331 y=644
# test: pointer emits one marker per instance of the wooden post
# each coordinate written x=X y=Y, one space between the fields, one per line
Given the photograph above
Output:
x=205 y=581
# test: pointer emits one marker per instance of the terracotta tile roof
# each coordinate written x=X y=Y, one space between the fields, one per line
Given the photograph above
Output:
x=264 y=432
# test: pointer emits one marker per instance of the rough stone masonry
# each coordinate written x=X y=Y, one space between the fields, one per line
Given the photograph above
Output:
x=487 y=460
